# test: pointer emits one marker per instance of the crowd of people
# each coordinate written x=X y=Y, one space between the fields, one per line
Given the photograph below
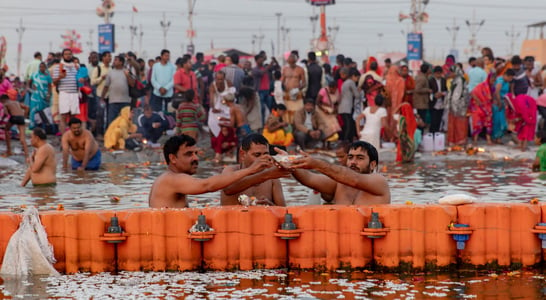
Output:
x=125 y=102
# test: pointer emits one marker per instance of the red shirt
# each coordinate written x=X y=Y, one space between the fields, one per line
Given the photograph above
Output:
x=188 y=81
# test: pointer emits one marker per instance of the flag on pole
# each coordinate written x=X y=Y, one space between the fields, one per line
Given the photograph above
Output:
x=135 y=9
x=211 y=44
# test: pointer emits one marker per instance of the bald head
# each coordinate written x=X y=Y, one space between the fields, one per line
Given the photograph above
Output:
x=480 y=63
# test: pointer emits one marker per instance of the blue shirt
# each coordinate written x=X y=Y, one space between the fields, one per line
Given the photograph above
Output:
x=163 y=77
x=476 y=76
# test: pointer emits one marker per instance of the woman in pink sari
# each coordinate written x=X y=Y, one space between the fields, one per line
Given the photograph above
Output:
x=480 y=108
x=522 y=110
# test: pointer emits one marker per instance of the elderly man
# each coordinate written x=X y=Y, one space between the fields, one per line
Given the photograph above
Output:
x=309 y=125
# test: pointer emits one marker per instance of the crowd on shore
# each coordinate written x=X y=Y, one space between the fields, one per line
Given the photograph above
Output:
x=126 y=102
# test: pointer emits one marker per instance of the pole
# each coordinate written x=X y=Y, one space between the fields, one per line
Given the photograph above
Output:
x=133 y=30
x=278 y=15
x=453 y=31
x=165 y=26
x=474 y=28
x=141 y=33
x=90 y=41
x=513 y=37
x=20 y=30
x=313 y=19
x=191 y=32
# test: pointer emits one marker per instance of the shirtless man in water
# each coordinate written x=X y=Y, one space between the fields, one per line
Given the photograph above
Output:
x=43 y=163
x=293 y=77
x=264 y=186
x=354 y=184
x=237 y=119
x=80 y=143
x=170 y=188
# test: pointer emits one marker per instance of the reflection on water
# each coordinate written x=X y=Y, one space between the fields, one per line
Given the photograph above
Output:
x=422 y=182
x=280 y=284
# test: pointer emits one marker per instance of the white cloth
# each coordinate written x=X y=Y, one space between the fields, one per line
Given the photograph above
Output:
x=214 y=118
x=372 y=128
x=69 y=103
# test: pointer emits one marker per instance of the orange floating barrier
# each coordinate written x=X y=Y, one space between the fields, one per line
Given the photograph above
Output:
x=323 y=238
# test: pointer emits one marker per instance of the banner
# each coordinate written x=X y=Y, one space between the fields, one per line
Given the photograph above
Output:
x=321 y=2
x=415 y=46
x=107 y=39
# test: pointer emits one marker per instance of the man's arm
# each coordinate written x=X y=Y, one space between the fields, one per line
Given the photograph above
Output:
x=65 y=146
x=318 y=182
x=170 y=83
x=372 y=183
x=249 y=181
x=188 y=185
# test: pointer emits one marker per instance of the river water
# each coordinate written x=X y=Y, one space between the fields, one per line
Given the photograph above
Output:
x=122 y=186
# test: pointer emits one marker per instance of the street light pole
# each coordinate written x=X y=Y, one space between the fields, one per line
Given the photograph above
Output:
x=278 y=15
x=20 y=31
x=165 y=26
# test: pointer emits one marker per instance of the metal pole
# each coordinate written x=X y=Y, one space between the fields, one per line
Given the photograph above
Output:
x=453 y=30
x=165 y=26
x=191 y=33
x=278 y=33
x=90 y=42
x=141 y=33
x=133 y=30
x=20 y=30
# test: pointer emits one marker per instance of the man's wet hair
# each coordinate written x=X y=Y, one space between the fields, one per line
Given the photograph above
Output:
x=173 y=144
x=74 y=120
x=516 y=60
x=40 y=133
x=346 y=146
x=370 y=149
x=253 y=138
x=471 y=60
x=165 y=51
x=234 y=58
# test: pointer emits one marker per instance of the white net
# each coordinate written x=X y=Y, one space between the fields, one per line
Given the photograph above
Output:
x=29 y=251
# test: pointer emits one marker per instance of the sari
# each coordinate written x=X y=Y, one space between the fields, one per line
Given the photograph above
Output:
x=40 y=96
x=369 y=62
x=457 y=121
x=371 y=88
x=326 y=109
x=480 y=107
x=522 y=110
x=395 y=88
x=409 y=83
x=406 y=131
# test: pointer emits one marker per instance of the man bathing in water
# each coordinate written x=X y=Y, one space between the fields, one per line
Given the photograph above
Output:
x=264 y=186
x=80 y=143
x=42 y=163
x=170 y=188
x=354 y=184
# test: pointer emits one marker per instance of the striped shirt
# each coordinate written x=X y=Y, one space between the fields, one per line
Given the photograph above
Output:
x=69 y=83
x=187 y=117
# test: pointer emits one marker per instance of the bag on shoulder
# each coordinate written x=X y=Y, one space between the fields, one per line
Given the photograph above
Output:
x=138 y=90
x=177 y=98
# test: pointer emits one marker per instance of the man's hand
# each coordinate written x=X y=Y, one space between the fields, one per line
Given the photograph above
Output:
x=156 y=125
x=305 y=162
x=264 y=201
x=162 y=91
x=260 y=164
x=81 y=169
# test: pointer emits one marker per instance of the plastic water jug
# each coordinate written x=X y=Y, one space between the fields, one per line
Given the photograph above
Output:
x=428 y=142
x=439 y=141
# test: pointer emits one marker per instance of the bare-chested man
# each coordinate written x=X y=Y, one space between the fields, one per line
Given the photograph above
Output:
x=42 y=167
x=353 y=185
x=170 y=188
x=293 y=80
x=17 y=111
x=264 y=186
x=79 y=142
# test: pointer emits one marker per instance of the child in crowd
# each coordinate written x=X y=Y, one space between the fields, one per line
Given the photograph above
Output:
x=17 y=112
x=237 y=118
x=277 y=131
x=278 y=94
x=375 y=117
x=188 y=116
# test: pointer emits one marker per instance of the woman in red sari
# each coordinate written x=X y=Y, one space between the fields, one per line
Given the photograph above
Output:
x=480 y=108
x=522 y=110
x=395 y=88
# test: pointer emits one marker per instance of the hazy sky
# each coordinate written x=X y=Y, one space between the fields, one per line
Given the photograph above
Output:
x=231 y=23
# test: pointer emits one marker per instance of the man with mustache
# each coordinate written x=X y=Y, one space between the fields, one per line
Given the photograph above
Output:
x=170 y=188
x=356 y=184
